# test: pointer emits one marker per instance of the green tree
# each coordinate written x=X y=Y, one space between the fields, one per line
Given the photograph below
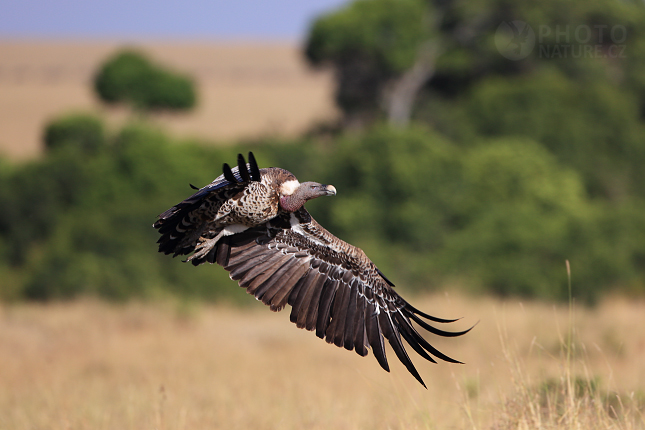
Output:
x=82 y=132
x=389 y=54
x=501 y=216
x=442 y=58
x=129 y=77
x=590 y=126
x=372 y=44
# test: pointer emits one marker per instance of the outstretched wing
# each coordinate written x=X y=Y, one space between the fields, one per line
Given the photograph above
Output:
x=332 y=287
x=182 y=225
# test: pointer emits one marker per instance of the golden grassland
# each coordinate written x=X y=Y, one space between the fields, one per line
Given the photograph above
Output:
x=92 y=365
x=245 y=89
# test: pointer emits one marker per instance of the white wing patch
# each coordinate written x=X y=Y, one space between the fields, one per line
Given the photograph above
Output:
x=297 y=227
x=232 y=229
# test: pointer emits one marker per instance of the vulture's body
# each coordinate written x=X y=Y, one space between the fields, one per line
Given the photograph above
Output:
x=253 y=223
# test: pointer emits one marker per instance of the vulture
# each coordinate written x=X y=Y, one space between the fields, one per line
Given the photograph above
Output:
x=253 y=223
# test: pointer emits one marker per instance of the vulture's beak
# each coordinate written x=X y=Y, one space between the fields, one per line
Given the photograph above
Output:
x=329 y=190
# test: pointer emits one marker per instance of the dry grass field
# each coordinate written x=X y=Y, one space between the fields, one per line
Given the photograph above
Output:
x=91 y=365
x=245 y=90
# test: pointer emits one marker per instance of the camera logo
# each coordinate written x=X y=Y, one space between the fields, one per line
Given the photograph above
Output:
x=514 y=39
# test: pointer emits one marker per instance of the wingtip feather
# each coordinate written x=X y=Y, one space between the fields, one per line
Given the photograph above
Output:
x=255 y=171
x=228 y=173
x=243 y=169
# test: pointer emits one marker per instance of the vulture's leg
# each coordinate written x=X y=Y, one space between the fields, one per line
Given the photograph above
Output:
x=205 y=245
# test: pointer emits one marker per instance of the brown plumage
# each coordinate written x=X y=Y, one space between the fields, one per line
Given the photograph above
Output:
x=253 y=223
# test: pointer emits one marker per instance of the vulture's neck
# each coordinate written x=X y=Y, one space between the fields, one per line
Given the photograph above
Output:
x=293 y=202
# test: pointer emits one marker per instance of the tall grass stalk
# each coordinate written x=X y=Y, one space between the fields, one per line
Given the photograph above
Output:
x=567 y=401
x=569 y=346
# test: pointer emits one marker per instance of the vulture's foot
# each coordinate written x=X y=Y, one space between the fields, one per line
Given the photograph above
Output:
x=204 y=247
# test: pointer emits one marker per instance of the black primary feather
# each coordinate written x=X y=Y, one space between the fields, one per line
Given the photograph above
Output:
x=384 y=277
x=228 y=173
x=360 y=342
x=374 y=336
x=241 y=167
x=348 y=341
x=255 y=171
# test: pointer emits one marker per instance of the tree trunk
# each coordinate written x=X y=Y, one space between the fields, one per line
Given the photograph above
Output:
x=402 y=94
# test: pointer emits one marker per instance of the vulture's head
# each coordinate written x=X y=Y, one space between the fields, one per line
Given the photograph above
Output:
x=293 y=194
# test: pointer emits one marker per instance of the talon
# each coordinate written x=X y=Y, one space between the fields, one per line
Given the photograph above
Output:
x=204 y=247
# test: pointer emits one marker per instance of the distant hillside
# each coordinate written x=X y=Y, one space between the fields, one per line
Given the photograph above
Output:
x=245 y=89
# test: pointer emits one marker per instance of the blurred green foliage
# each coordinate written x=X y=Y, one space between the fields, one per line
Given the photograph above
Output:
x=579 y=91
x=546 y=150
x=129 y=77
x=588 y=125
x=509 y=169
x=384 y=33
x=369 y=41
x=81 y=132
x=500 y=216
x=77 y=222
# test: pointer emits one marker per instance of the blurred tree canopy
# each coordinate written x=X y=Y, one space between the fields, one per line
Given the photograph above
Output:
x=374 y=45
x=577 y=89
x=499 y=216
x=80 y=132
x=370 y=43
x=129 y=77
x=454 y=164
